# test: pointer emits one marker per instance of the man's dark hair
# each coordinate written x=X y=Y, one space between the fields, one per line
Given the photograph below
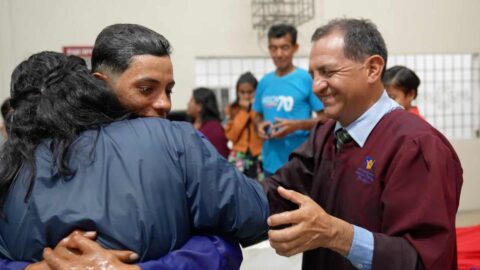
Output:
x=361 y=38
x=207 y=99
x=117 y=44
x=281 y=30
x=53 y=97
x=403 y=78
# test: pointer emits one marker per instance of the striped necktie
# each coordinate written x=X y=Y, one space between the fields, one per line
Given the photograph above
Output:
x=342 y=137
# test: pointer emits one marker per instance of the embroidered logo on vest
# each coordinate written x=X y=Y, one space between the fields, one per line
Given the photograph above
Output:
x=366 y=172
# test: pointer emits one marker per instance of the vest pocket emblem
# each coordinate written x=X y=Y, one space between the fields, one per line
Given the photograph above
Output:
x=366 y=172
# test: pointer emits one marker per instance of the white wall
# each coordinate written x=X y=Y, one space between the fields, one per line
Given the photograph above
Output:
x=411 y=26
x=194 y=28
x=223 y=27
x=5 y=57
x=468 y=152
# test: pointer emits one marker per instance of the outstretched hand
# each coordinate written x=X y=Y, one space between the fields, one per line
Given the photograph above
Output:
x=311 y=227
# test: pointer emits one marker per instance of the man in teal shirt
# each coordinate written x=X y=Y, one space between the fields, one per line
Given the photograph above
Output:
x=284 y=101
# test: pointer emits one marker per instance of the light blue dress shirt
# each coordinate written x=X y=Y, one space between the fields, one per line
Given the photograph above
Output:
x=361 y=253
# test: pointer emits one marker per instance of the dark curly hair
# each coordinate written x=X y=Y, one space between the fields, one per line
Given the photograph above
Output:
x=53 y=96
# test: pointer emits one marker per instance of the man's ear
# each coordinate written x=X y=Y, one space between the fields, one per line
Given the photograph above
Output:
x=374 y=65
x=296 y=47
x=101 y=76
x=105 y=78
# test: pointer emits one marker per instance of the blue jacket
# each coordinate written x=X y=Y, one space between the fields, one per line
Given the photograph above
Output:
x=144 y=185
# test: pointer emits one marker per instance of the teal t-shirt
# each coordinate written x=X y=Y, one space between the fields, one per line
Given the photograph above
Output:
x=287 y=97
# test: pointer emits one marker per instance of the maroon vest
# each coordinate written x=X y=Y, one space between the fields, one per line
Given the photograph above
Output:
x=403 y=185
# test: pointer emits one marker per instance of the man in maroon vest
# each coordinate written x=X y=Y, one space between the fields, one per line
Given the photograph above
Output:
x=374 y=188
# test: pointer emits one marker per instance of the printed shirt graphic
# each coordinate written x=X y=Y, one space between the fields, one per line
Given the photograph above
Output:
x=286 y=97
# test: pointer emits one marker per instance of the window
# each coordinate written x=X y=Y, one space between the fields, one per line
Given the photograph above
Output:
x=448 y=96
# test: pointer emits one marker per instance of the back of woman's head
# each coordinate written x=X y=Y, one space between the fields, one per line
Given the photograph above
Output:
x=207 y=99
x=53 y=96
x=401 y=77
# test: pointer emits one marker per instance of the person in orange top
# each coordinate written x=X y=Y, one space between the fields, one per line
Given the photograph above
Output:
x=241 y=129
x=401 y=84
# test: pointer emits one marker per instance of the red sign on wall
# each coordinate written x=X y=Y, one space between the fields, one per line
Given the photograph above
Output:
x=84 y=52
x=80 y=51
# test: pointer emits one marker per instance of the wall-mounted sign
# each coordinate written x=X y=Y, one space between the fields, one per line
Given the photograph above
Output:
x=80 y=51
x=84 y=52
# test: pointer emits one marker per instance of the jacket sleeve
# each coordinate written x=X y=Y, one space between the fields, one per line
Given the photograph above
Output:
x=200 y=252
x=221 y=199
x=12 y=265
x=296 y=174
x=418 y=222
x=236 y=125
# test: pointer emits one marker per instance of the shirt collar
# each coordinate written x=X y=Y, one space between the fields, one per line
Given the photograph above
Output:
x=363 y=126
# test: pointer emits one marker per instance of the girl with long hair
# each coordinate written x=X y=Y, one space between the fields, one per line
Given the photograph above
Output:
x=242 y=131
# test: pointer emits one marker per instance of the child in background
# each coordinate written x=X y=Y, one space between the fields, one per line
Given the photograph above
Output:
x=401 y=84
x=203 y=111
x=242 y=131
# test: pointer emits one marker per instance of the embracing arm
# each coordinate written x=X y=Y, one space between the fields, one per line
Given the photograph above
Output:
x=296 y=174
x=12 y=265
x=221 y=198
x=200 y=252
